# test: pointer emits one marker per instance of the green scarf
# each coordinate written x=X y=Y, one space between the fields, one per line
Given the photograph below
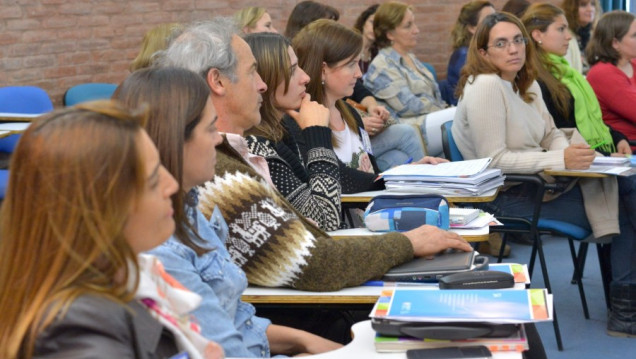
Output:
x=587 y=111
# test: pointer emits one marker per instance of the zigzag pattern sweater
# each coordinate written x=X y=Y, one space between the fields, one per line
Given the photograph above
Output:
x=277 y=247
x=313 y=189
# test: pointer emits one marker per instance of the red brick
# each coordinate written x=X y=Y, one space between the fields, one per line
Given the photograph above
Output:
x=22 y=24
x=99 y=20
x=60 y=71
x=39 y=61
x=58 y=48
x=23 y=49
x=59 y=22
x=8 y=38
x=11 y=12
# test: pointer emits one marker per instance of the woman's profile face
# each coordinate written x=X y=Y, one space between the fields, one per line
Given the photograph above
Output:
x=150 y=222
x=367 y=29
x=291 y=99
x=626 y=46
x=587 y=11
x=404 y=36
x=506 y=49
x=264 y=24
x=340 y=79
x=199 y=151
x=556 y=38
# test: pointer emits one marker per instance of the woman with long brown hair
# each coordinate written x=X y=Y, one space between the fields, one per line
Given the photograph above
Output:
x=87 y=194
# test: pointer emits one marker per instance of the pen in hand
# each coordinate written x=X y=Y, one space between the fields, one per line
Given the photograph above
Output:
x=593 y=147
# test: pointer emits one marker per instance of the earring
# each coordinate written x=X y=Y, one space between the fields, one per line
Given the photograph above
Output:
x=540 y=42
x=323 y=82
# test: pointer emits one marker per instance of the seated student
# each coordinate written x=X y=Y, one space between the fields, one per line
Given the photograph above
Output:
x=312 y=185
x=612 y=56
x=306 y=12
x=329 y=53
x=281 y=248
x=155 y=40
x=254 y=19
x=469 y=17
x=182 y=122
x=76 y=215
x=502 y=115
x=572 y=103
x=396 y=77
x=582 y=16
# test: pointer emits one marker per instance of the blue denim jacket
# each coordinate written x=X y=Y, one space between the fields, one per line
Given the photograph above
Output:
x=222 y=315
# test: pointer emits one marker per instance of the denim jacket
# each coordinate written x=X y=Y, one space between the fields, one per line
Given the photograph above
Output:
x=222 y=315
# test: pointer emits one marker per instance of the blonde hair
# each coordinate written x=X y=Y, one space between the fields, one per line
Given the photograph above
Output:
x=75 y=175
x=571 y=11
x=249 y=16
x=156 y=39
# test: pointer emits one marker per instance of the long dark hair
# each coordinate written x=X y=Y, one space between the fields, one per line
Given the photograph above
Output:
x=176 y=98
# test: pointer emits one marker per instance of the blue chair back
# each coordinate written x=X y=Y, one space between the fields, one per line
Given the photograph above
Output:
x=30 y=100
x=451 y=152
x=88 y=92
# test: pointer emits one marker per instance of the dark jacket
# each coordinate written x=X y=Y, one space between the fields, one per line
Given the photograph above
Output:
x=96 y=327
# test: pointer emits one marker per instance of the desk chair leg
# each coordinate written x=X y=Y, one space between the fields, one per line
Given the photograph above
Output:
x=538 y=249
x=577 y=275
x=582 y=257
x=603 y=251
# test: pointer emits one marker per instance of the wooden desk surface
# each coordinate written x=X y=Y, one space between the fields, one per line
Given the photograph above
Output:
x=470 y=235
x=365 y=197
x=22 y=117
x=353 y=295
x=566 y=173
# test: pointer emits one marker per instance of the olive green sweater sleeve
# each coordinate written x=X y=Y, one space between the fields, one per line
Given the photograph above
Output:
x=277 y=247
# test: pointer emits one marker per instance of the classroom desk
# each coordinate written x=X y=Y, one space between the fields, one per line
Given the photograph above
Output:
x=353 y=295
x=365 y=197
x=567 y=173
x=470 y=235
x=22 y=117
x=362 y=347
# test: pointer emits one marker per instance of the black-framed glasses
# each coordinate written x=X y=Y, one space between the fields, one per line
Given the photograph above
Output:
x=504 y=44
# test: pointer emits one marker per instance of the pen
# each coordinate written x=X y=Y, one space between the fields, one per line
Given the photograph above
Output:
x=408 y=161
x=598 y=145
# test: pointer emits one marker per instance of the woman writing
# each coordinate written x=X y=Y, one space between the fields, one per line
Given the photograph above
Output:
x=572 y=103
x=75 y=217
x=612 y=53
x=500 y=115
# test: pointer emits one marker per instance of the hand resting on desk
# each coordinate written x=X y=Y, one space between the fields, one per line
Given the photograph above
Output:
x=578 y=156
x=429 y=240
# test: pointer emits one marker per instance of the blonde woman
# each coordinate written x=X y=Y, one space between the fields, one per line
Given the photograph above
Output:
x=254 y=19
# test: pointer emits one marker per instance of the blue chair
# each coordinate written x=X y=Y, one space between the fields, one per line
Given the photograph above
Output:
x=88 y=92
x=29 y=100
x=537 y=226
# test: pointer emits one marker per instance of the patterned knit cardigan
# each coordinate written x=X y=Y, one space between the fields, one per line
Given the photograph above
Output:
x=277 y=247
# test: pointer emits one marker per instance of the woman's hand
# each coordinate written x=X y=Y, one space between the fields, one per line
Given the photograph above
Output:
x=373 y=125
x=311 y=113
x=578 y=156
x=622 y=148
x=429 y=240
x=290 y=341
x=430 y=160
x=379 y=111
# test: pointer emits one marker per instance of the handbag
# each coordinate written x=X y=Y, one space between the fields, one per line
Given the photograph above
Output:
x=388 y=213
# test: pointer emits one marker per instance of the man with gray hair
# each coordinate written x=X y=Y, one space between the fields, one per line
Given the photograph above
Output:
x=215 y=50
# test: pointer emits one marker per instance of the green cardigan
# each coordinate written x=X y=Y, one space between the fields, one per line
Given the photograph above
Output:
x=277 y=247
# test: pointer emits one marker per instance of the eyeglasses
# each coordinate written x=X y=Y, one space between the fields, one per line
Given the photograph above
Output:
x=504 y=44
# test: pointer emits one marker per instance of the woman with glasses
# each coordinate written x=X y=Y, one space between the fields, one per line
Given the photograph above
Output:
x=501 y=115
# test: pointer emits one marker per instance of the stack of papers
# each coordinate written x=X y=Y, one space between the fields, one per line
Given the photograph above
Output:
x=471 y=178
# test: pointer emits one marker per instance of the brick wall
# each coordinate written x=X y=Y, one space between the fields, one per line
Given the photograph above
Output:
x=56 y=44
